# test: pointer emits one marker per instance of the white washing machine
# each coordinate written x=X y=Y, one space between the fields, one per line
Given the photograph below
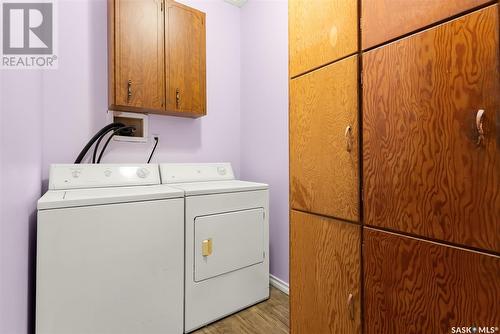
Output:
x=110 y=252
x=227 y=240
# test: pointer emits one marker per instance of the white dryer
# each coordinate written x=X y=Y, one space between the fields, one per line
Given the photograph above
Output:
x=110 y=252
x=227 y=240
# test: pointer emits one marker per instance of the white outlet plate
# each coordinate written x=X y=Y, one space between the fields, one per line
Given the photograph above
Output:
x=145 y=124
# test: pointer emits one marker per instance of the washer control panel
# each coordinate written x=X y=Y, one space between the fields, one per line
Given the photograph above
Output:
x=181 y=173
x=75 y=176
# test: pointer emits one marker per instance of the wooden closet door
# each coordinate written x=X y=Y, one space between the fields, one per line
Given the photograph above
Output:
x=139 y=69
x=415 y=286
x=383 y=20
x=425 y=171
x=321 y=31
x=185 y=60
x=324 y=141
x=324 y=275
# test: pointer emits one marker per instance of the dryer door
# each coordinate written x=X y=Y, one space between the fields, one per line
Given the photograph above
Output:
x=227 y=242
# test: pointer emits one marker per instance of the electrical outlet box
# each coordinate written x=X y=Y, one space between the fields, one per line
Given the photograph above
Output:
x=139 y=121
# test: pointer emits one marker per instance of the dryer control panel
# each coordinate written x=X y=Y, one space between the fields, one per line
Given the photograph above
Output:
x=75 y=176
x=196 y=172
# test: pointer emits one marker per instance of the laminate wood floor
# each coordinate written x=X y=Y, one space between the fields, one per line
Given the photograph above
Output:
x=268 y=317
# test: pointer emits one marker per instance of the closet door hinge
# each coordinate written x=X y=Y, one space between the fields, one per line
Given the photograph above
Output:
x=162 y=3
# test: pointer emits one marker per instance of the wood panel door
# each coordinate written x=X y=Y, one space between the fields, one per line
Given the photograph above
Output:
x=324 y=141
x=415 y=286
x=185 y=60
x=321 y=31
x=138 y=54
x=384 y=20
x=427 y=171
x=324 y=275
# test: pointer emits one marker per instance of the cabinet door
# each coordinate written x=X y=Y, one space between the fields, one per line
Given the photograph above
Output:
x=415 y=286
x=321 y=31
x=324 y=141
x=185 y=60
x=425 y=169
x=383 y=20
x=324 y=275
x=139 y=69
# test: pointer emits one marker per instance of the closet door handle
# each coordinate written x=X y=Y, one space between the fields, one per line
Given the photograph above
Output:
x=350 y=306
x=348 y=138
x=129 y=90
x=177 y=98
x=479 y=126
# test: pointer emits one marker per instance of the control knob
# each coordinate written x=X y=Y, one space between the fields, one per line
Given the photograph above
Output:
x=142 y=173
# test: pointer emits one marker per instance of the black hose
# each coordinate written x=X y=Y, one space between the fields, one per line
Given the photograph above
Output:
x=120 y=131
x=96 y=147
x=105 y=129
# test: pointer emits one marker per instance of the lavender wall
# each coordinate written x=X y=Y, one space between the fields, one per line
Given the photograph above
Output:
x=47 y=116
x=21 y=171
x=76 y=94
x=264 y=114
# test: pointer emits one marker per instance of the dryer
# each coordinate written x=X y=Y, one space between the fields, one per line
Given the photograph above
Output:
x=226 y=240
x=110 y=252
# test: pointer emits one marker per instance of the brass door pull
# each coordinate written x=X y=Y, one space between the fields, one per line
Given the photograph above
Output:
x=479 y=126
x=206 y=247
x=350 y=306
x=177 y=98
x=129 y=90
x=348 y=138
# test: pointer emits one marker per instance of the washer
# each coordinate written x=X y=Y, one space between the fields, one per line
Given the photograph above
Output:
x=110 y=252
x=227 y=240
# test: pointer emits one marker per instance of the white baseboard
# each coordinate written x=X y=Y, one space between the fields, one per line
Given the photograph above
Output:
x=279 y=284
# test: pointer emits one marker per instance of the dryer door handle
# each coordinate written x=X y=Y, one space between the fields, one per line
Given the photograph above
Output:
x=206 y=247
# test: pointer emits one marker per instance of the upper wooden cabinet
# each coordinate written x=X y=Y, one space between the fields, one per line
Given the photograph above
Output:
x=157 y=59
x=431 y=157
x=138 y=54
x=325 y=262
x=416 y=286
x=185 y=59
x=324 y=153
x=321 y=31
x=384 y=20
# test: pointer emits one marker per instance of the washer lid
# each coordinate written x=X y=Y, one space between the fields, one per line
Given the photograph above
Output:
x=54 y=199
x=218 y=187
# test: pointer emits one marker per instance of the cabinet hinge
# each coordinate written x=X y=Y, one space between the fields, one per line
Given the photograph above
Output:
x=161 y=5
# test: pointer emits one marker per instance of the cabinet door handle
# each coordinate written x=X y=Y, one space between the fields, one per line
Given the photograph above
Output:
x=177 y=98
x=129 y=90
x=350 y=306
x=479 y=126
x=348 y=138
